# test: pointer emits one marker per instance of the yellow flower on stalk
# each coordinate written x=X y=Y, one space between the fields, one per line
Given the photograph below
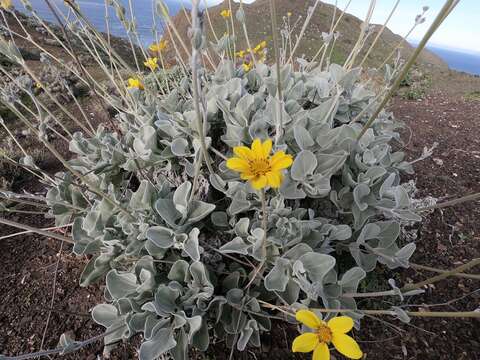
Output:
x=240 y=53
x=334 y=331
x=247 y=66
x=134 y=83
x=151 y=63
x=257 y=166
x=6 y=4
x=260 y=47
x=226 y=13
x=158 y=47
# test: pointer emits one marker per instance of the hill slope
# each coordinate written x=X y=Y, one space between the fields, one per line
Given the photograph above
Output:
x=259 y=29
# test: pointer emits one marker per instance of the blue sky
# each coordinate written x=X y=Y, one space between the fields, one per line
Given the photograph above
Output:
x=461 y=30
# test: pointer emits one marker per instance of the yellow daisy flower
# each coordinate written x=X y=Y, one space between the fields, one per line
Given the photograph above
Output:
x=6 y=4
x=151 y=63
x=135 y=84
x=226 y=13
x=158 y=47
x=257 y=166
x=334 y=331
x=247 y=66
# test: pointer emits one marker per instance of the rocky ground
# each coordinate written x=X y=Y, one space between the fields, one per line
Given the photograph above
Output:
x=41 y=298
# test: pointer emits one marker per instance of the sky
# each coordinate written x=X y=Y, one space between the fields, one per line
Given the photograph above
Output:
x=461 y=30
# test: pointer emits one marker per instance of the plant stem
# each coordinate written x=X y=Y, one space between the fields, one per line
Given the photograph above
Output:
x=37 y=231
x=435 y=314
x=471 y=197
x=447 y=8
x=443 y=275
x=264 y=224
x=441 y=271
x=196 y=87
x=279 y=126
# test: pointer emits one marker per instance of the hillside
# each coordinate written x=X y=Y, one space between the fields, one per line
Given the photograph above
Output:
x=259 y=28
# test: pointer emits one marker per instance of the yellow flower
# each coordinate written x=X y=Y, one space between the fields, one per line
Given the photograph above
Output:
x=260 y=47
x=38 y=85
x=334 y=331
x=151 y=63
x=6 y=4
x=257 y=166
x=135 y=84
x=158 y=47
x=240 y=53
x=226 y=13
x=289 y=14
x=247 y=66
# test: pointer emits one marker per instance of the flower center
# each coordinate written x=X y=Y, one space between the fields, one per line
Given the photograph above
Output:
x=260 y=166
x=324 y=334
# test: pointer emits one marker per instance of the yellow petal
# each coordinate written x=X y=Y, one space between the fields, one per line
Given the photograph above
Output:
x=257 y=148
x=346 y=346
x=259 y=182
x=267 y=147
x=274 y=179
x=246 y=176
x=238 y=164
x=243 y=152
x=340 y=324
x=305 y=343
x=281 y=161
x=321 y=352
x=308 y=318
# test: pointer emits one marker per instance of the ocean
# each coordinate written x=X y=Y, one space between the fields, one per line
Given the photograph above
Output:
x=94 y=10
x=459 y=60
x=468 y=62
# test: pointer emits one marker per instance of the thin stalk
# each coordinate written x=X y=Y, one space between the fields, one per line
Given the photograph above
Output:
x=60 y=350
x=279 y=125
x=302 y=31
x=441 y=271
x=380 y=32
x=36 y=230
x=363 y=29
x=264 y=223
x=447 y=8
x=443 y=275
x=210 y=21
x=471 y=197
x=2 y=122
x=332 y=30
x=233 y=31
x=196 y=88
x=30 y=232
x=434 y=314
